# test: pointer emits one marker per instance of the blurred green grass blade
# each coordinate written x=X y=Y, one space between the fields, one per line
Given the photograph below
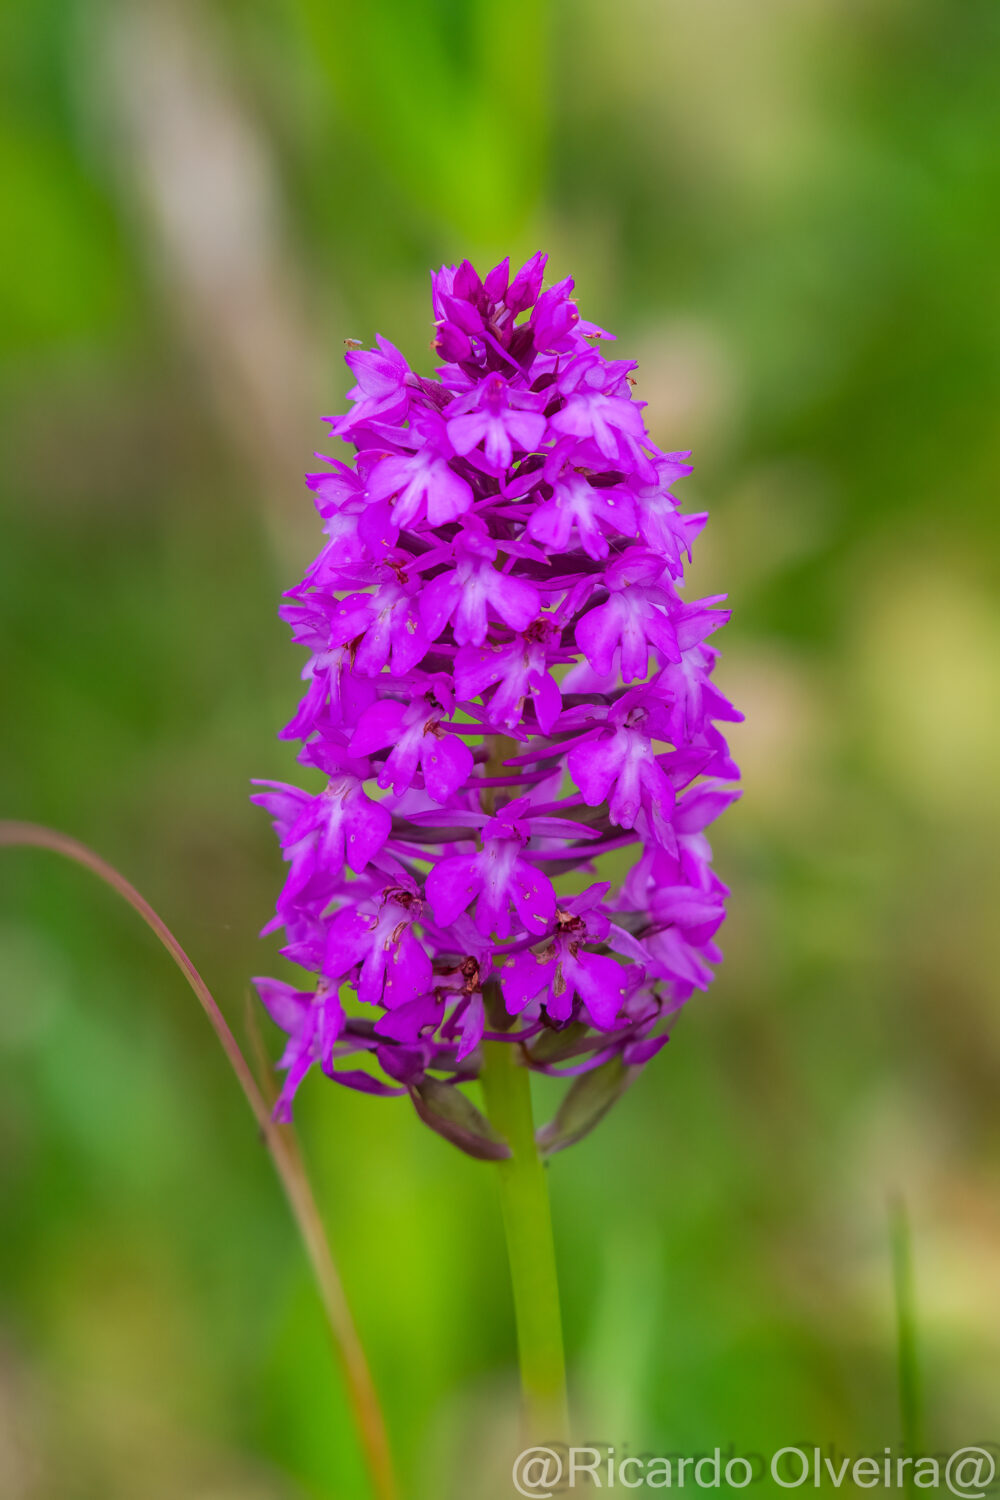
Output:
x=75 y=282
x=910 y=1397
x=452 y=99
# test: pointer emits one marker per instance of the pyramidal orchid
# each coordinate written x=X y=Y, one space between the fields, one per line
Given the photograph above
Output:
x=511 y=702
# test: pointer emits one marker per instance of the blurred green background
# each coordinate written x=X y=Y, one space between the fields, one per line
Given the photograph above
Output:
x=789 y=211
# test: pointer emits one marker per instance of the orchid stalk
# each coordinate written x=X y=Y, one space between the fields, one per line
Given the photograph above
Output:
x=510 y=701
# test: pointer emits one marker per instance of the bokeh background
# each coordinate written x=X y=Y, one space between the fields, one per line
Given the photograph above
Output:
x=789 y=211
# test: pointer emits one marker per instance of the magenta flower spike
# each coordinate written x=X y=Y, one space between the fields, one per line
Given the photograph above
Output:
x=512 y=702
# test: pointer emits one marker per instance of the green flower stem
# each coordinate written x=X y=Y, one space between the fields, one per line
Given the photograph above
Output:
x=527 y=1218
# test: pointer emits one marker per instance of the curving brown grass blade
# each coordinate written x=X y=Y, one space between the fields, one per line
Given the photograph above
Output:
x=280 y=1142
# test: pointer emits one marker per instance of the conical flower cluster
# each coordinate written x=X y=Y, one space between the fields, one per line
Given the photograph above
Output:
x=512 y=703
